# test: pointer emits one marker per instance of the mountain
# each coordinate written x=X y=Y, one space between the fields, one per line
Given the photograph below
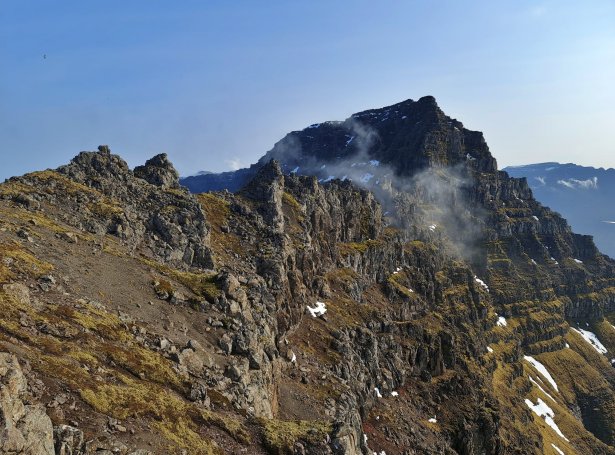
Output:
x=357 y=147
x=425 y=304
x=583 y=195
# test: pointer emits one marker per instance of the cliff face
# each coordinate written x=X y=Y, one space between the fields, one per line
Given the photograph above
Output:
x=430 y=305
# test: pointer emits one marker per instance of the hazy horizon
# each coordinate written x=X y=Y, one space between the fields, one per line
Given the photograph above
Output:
x=214 y=85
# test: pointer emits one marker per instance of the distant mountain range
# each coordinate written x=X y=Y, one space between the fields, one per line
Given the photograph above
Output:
x=583 y=195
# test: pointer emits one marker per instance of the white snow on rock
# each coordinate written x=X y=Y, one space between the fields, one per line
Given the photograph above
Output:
x=374 y=163
x=534 y=262
x=535 y=217
x=293 y=359
x=328 y=179
x=318 y=310
x=295 y=170
x=557 y=449
x=364 y=438
x=592 y=339
x=489 y=349
x=394 y=394
x=553 y=259
x=501 y=321
x=411 y=291
x=433 y=420
x=432 y=227
x=378 y=394
x=542 y=410
x=470 y=157
x=578 y=261
x=481 y=282
x=349 y=141
x=541 y=389
x=541 y=369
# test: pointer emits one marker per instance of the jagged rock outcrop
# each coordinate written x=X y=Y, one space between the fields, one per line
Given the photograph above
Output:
x=158 y=171
x=24 y=428
x=145 y=208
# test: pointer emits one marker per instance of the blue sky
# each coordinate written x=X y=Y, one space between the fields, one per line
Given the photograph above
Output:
x=216 y=83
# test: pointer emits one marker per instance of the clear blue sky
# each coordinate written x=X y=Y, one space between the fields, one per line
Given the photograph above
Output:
x=216 y=83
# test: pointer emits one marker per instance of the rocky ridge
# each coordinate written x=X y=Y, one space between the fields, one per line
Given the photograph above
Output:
x=199 y=325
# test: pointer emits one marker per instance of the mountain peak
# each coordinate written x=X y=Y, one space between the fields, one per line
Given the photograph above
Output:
x=158 y=171
x=405 y=138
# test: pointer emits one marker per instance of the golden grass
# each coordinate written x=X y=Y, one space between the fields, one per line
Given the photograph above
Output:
x=280 y=436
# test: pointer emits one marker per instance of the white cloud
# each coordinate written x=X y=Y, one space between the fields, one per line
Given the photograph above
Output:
x=591 y=183
x=234 y=163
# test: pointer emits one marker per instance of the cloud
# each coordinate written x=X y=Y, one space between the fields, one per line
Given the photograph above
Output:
x=589 y=184
x=234 y=163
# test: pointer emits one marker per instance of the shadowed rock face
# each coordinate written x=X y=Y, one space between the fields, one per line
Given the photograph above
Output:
x=150 y=307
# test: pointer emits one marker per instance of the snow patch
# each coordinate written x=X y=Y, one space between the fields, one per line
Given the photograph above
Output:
x=542 y=410
x=432 y=227
x=295 y=170
x=318 y=310
x=489 y=349
x=433 y=420
x=557 y=449
x=542 y=370
x=374 y=163
x=378 y=394
x=592 y=339
x=501 y=321
x=541 y=389
x=578 y=261
x=535 y=217
x=394 y=394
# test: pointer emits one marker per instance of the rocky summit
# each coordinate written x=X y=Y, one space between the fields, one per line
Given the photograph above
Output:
x=371 y=286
